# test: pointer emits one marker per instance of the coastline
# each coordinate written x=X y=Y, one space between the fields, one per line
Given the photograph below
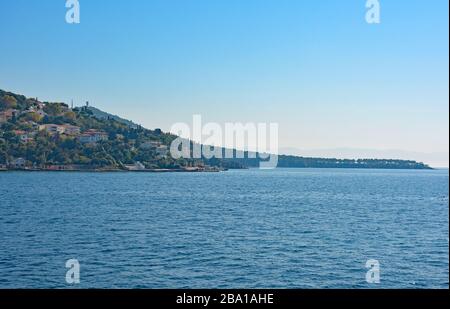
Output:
x=179 y=170
x=185 y=170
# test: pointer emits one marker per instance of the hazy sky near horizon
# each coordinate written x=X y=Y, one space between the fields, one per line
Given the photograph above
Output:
x=316 y=67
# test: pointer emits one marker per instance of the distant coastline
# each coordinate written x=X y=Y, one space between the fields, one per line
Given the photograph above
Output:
x=48 y=136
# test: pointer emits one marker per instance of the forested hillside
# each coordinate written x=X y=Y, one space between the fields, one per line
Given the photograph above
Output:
x=52 y=135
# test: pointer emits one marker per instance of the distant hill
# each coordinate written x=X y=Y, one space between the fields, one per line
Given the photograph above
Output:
x=104 y=115
x=434 y=159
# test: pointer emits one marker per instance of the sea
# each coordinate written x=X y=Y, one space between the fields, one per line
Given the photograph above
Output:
x=282 y=228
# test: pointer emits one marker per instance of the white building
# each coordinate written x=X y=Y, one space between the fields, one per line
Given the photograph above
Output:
x=52 y=128
x=93 y=136
x=60 y=129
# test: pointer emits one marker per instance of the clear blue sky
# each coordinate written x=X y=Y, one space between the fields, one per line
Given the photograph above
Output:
x=315 y=67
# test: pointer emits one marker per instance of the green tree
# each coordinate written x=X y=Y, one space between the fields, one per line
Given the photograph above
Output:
x=70 y=115
x=33 y=117
x=7 y=102
x=53 y=109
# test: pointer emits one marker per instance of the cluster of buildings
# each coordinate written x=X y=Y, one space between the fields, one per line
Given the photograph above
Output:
x=37 y=108
x=89 y=136
x=24 y=136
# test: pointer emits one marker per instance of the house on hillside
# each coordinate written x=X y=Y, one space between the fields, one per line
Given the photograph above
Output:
x=71 y=130
x=52 y=128
x=36 y=104
x=60 y=129
x=25 y=137
x=39 y=105
x=93 y=136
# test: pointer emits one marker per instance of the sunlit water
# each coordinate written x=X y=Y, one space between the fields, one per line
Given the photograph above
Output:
x=287 y=228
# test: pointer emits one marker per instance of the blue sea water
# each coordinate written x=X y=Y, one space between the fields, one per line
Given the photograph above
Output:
x=285 y=228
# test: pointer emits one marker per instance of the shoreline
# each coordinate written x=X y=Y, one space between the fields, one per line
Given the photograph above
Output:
x=194 y=170
x=117 y=170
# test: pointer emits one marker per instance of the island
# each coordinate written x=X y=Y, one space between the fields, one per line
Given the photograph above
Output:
x=53 y=136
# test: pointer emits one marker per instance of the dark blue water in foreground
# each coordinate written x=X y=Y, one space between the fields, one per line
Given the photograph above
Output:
x=243 y=229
